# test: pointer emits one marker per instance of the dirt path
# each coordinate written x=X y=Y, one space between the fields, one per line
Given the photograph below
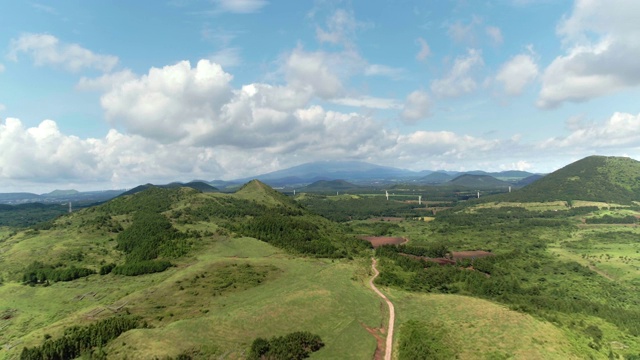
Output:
x=392 y=313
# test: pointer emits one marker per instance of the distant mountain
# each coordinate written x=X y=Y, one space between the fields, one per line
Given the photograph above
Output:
x=595 y=178
x=200 y=186
x=330 y=186
x=7 y=197
x=436 y=178
x=331 y=170
x=477 y=182
x=61 y=193
x=528 y=180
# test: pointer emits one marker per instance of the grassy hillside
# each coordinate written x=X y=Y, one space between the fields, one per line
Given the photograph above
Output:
x=595 y=178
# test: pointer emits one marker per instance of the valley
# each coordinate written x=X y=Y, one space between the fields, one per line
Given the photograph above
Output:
x=202 y=275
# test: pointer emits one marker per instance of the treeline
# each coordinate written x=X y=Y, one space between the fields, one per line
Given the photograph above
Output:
x=82 y=340
x=527 y=281
x=294 y=346
x=293 y=233
x=228 y=207
x=357 y=208
x=149 y=236
x=507 y=214
x=40 y=273
x=26 y=215
x=608 y=219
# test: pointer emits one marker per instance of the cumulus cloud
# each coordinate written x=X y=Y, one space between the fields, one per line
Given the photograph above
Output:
x=603 y=42
x=168 y=103
x=105 y=82
x=517 y=73
x=621 y=130
x=417 y=107
x=240 y=6
x=459 y=80
x=315 y=72
x=117 y=160
x=424 y=51
x=46 y=49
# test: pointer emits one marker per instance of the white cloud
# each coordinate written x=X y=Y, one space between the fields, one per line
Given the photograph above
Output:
x=105 y=82
x=494 y=34
x=1 y=68
x=340 y=28
x=383 y=70
x=603 y=42
x=48 y=50
x=425 y=50
x=240 y=6
x=227 y=57
x=168 y=103
x=517 y=73
x=2 y=107
x=464 y=33
x=315 y=72
x=115 y=161
x=368 y=102
x=417 y=106
x=460 y=78
x=620 y=131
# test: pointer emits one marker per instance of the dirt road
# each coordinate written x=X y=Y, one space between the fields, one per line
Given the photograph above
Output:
x=392 y=312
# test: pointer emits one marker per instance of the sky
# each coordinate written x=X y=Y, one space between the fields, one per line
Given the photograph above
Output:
x=112 y=94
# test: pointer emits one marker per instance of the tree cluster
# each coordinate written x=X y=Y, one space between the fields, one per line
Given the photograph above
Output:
x=79 y=340
x=294 y=346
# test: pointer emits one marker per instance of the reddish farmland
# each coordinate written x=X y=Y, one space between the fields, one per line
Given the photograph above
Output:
x=475 y=254
x=384 y=240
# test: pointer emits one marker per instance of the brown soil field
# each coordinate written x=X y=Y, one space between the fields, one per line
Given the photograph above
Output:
x=475 y=254
x=384 y=240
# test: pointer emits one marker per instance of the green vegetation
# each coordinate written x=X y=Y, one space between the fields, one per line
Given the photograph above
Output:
x=294 y=346
x=595 y=178
x=25 y=215
x=83 y=340
x=420 y=340
x=255 y=272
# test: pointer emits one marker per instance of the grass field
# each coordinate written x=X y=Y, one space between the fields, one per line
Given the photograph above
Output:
x=479 y=329
x=326 y=297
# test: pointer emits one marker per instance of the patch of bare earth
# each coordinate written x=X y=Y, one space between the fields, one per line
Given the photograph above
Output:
x=384 y=240
x=377 y=333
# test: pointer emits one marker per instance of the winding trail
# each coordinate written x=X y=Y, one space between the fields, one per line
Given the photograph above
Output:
x=392 y=313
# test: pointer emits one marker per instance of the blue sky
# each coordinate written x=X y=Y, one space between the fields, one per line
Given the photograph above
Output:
x=106 y=94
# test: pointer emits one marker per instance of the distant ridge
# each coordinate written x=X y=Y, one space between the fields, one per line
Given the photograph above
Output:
x=330 y=185
x=436 y=178
x=594 y=178
x=477 y=181
x=200 y=186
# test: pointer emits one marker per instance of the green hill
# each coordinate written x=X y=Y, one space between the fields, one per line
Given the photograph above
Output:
x=478 y=182
x=436 y=178
x=197 y=185
x=594 y=178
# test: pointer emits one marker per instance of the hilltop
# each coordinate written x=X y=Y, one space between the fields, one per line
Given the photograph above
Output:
x=436 y=178
x=197 y=185
x=477 y=182
x=594 y=178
